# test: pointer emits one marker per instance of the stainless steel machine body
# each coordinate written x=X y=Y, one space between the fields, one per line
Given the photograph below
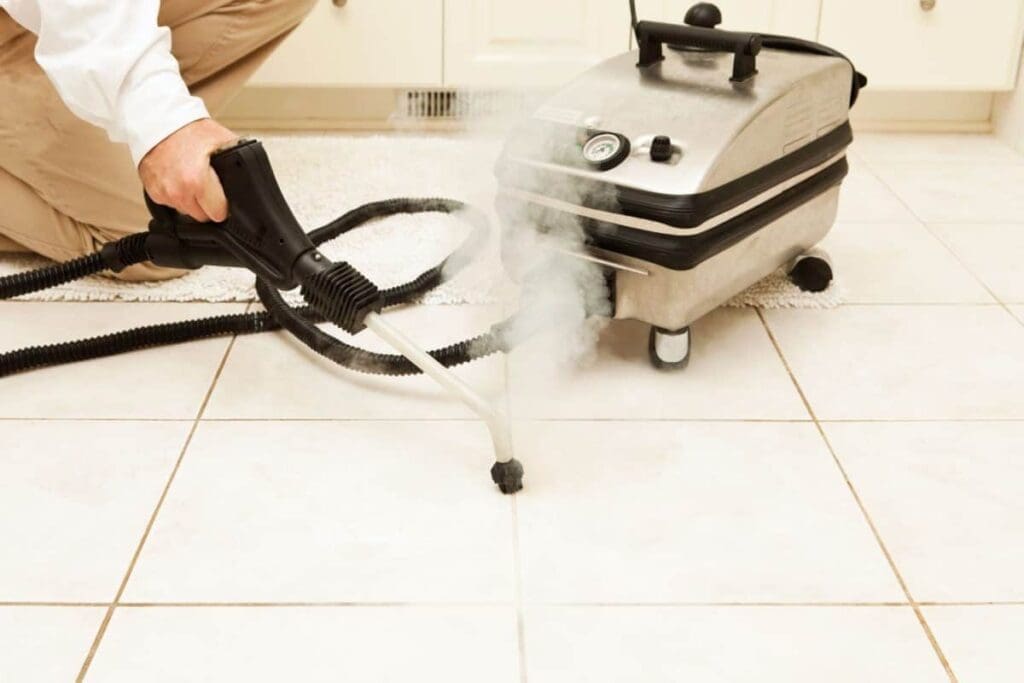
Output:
x=691 y=185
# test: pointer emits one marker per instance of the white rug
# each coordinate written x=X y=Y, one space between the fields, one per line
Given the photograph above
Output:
x=323 y=176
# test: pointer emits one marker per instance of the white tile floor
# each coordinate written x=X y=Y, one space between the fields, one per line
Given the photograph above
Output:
x=823 y=496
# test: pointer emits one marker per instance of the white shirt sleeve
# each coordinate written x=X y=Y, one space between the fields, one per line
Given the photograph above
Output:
x=112 y=66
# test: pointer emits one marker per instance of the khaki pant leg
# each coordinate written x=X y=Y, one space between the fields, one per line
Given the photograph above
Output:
x=219 y=44
x=89 y=184
x=9 y=246
x=29 y=223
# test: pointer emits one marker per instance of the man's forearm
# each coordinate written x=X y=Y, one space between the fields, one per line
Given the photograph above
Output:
x=112 y=66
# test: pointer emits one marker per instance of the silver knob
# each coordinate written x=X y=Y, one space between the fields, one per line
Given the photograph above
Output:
x=928 y=5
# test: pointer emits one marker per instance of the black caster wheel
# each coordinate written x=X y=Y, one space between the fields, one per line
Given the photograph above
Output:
x=508 y=476
x=669 y=350
x=811 y=273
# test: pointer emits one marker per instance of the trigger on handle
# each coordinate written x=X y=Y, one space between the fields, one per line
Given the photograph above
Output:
x=159 y=212
x=171 y=216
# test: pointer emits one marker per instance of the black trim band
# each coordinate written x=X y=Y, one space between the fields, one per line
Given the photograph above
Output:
x=683 y=211
x=683 y=252
x=690 y=211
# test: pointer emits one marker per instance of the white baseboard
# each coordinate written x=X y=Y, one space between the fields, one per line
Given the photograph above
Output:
x=288 y=108
x=966 y=112
x=369 y=109
x=1008 y=114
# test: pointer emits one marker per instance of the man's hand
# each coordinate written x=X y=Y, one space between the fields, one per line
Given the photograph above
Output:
x=177 y=172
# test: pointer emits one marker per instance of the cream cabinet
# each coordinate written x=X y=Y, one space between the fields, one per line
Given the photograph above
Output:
x=928 y=44
x=489 y=43
x=792 y=17
x=358 y=43
x=905 y=45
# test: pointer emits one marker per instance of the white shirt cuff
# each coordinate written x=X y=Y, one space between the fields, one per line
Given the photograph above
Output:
x=153 y=109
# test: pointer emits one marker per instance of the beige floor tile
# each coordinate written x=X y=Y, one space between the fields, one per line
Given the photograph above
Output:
x=165 y=383
x=982 y=643
x=899 y=263
x=1018 y=311
x=692 y=512
x=735 y=644
x=905 y=362
x=947 y=498
x=946 y=149
x=994 y=253
x=958 y=193
x=734 y=373
x=335 y=511
x=865 y=199
x=75 y=498
x=357 y=644
x=45 y=644
x=275 y=377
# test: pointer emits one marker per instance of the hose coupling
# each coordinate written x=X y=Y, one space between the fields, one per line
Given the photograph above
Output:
x=343 y=296
x=125 y=252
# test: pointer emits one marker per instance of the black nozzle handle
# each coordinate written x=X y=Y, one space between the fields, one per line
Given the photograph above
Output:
x=175 y=240
x=652 y=35
x=261 y=233
x=261 y=229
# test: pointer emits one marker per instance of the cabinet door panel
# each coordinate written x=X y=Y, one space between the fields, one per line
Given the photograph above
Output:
x=956 y=45
x=361 y=43
x=791 y=17
x=529 y=42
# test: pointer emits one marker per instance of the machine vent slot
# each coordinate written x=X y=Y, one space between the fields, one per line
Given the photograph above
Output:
x=799 y=128
x=832 y=109
x=460 y=105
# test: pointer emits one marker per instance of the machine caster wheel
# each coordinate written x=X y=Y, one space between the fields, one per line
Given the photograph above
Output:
x=811 y=272
x=669 y=350
x=508 y=476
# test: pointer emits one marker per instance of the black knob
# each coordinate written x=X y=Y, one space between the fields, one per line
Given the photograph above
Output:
x=661 y=149
x=704 y=14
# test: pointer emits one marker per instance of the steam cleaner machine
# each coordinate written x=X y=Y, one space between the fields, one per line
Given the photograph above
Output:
x=690 y=169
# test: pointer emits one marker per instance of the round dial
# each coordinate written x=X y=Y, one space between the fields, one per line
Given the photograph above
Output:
x=605 y=151
x=602 y=148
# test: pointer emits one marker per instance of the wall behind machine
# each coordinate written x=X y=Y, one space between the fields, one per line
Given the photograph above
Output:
x=933 y=64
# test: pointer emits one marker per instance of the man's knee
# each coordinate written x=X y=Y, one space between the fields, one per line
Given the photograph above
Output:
x=9 y=29
x=283 y=12
x=300 y=8
x=297 y=9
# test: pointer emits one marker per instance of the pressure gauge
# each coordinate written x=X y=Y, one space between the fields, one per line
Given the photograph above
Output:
x=606 y=150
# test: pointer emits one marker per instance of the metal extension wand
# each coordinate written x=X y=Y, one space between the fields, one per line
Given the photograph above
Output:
x=263 y=235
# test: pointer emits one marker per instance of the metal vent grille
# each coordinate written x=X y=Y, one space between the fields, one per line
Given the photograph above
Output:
x=460 y=105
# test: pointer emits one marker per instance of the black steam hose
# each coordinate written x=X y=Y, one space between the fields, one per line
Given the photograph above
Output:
x=297 y=322
x=301 y=321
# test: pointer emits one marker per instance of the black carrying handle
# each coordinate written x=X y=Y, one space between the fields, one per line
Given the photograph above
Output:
x=791 y=44
x=652 y=35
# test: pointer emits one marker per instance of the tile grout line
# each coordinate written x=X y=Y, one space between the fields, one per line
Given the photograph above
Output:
x=532 y=420
x=991 y=292
x=619 y=605
x=46 y=603
x=517 y=563
x=152 y=518
x=518 y=573
x=860 y=504
x=927 y=225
